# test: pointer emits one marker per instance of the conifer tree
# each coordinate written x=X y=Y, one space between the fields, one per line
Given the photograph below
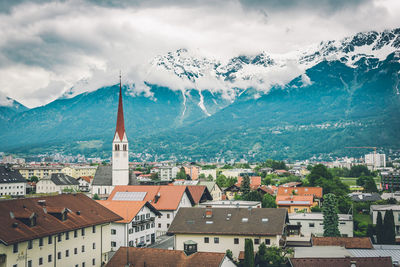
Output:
x=389 y=234
x=330 y=213
x=379 y=228
x=245 y=185
x=248 y=253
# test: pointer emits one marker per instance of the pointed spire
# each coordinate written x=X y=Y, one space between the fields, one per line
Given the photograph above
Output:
x=120 y=129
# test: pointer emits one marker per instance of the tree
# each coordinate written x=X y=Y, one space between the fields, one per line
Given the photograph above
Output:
x=268 y=201
x=229 y=254
x=277 y=256
x=96 y=197
x=34 y=179
x=221 y=180
x=261 y=256
x=330 y=213
x=368 y=183
x=202 y=176
x=210 y=178
x=359 y=170
x=253 y=196
x=389 y=234
x=245 y=185
x=181 y=175
x=154 y=176
x=248 y=253
x=318 y=172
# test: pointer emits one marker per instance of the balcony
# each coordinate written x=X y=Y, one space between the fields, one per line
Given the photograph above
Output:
x=151 y=219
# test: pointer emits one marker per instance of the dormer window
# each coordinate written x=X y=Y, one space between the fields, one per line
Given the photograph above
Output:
x=58 y=212
x=26 y=217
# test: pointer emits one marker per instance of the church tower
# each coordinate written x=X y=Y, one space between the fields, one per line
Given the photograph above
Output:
x=120 y=149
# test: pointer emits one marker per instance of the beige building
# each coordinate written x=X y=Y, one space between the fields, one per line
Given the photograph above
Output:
x=79 y=171
x=57 y=183
x=63 y=230
x=219 y=229
x=38 y=171
x=213 y=188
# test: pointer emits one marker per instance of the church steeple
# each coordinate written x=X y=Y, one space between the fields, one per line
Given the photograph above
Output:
x=120 y=150
x=120 y=129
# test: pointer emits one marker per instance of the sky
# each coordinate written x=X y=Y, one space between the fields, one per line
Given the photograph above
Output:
x=48 y=47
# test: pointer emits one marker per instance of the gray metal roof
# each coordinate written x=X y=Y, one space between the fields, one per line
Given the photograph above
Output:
x=385 y=207
x=63 y=179
x=378 y=251
x=103 y=176
x=317 y=216
x=9 y=175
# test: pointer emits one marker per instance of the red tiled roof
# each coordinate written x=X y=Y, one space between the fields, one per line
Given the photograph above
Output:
x=255 y=182
x=120 y=128
x=197 y=192
x=82 y=212
x=267 y=189
x=347 y=242
x=155 y=257
x=126 y=209
x=87 y=178
x=294 y=200
x=342 y=262
x=170 y=196
x=300 y=191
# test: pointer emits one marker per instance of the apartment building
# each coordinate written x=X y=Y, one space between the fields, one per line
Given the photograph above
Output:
x=38 y=171
x=63 y=230
x=79 y=171
x=11 y=182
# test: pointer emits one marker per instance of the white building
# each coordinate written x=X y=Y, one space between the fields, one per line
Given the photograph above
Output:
x=312 y=223
x=138 y=226
x=166 y=199
x=11 y=182
x=63 y=230
x=212 y=172
x=375 y=160
x=213 y=188
x=85 y=183
x=57 y=182
x=166 y=173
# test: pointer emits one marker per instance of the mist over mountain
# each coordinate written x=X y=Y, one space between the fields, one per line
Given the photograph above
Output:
x=310 y=102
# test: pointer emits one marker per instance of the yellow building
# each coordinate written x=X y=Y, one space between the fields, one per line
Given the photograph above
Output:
x=38 y=171
x=79 y=171
x=63 y=230
x=294 y=203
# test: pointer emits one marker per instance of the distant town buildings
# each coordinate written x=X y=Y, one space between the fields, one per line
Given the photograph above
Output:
x=391 y=180
x=57 y=183
x=375 y=160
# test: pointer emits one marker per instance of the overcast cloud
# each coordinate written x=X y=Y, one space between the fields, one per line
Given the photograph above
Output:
x=47 y=47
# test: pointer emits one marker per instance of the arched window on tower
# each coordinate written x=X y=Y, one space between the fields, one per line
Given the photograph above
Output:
x=116 y=147
x=124 y=147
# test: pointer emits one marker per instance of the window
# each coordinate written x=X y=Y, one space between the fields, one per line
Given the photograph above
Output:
x=29 y=263
x=94 y=260
x=83 y=248
x=94 y=229
x=148 y=226
x=49 y=258
x=136 y=229
x=147 y=215
x=94 y=246
x=83 y=264
x=30 y=244
x=311 y=224
x=66 y=235
x=130 y=231
x=75 y=250
x=113 y=231
x=256 y=241
x=15 y=265
x=67 y=253
x=40 y=261
x=50 y=240
x=83 y=231
x=15 y=248
x=267 y=241
x=342 y=222
x=159 y=225
x=113 y=244
x=206 y=240
x=59 y=237
x=167 y=216
x=236 y=241
x=216 y=240
x=168 y=225
x=76 y=233
x=153 y=225
x=142 y=228
x=59 y=255
x=124 y=148
x=41 y=242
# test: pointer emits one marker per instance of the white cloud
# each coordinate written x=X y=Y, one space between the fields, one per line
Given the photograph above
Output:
x=46 y=48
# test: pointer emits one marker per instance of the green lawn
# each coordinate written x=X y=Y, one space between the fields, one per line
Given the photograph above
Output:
x=353 y=181
x=363 y=218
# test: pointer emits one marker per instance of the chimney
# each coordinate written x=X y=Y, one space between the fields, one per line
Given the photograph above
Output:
x=157 y=197
x=42 y=202
x=209 y=213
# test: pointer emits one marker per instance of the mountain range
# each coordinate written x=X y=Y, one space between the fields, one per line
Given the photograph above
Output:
x=312 y=102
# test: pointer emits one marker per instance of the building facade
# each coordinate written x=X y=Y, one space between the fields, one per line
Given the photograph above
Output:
x=64 y=230
x=38 y=171
x=57 y=183
x=79 y=171
x=11 y=182
x=312 y=223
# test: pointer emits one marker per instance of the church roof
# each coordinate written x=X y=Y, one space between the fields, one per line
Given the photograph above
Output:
x=103 y=176
x=120 y=129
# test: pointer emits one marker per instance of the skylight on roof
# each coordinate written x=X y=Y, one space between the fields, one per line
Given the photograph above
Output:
x=264 y=219
x=209 y=222
x=245 y=219
x=129 y=196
